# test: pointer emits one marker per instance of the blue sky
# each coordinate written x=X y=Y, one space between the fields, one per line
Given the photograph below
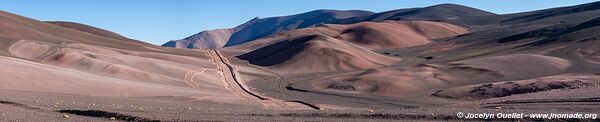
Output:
x=158 y=21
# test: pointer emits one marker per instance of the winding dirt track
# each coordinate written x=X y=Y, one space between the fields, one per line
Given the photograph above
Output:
x=189 y=79
x=234 y=81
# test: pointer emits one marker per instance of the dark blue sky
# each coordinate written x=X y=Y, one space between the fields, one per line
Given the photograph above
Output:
x=158 y=21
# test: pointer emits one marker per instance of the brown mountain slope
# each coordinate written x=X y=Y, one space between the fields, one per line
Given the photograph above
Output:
x=422 y=79
x=93 y=30
x=372 y=35
x=262 y=27
x=210 y=39
x=43 y=57
x=17 y=27
x=315 y=53
x=393 y=34
x=272 y=25
x=327 y=48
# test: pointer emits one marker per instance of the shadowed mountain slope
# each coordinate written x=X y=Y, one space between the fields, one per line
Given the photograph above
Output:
x=210 y=39
x=370 y=35
x=436 y=12
x=271 y=25
x=258 y=28
x=315 y=53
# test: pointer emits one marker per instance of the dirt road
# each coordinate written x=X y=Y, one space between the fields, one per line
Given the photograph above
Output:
x=236 y=84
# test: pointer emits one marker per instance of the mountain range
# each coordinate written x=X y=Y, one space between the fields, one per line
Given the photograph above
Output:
x=260 y=27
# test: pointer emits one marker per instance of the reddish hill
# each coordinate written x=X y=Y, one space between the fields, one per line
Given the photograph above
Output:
x=79 y=59
x=394 y=34
x=371 y=35
x=315 y=53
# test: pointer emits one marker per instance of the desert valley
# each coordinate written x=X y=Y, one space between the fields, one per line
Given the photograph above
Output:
x=416 y=64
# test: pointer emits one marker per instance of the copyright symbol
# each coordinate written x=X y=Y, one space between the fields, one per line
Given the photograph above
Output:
x=460 y=114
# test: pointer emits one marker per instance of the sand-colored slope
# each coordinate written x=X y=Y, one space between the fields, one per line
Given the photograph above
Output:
x=508 y=88
x=25 y=75
x=17 y=27
x=93 y=30
x=141 y=67
x=519 y=65
x=422 y=80
x=21 y=28
x=315 y=53
x=79 y=59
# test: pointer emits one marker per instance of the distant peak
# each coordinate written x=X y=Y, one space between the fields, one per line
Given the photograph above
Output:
x=324 y=10
x=458 y=7
x=334 y=11
x=448 y=4
x=255 y=19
